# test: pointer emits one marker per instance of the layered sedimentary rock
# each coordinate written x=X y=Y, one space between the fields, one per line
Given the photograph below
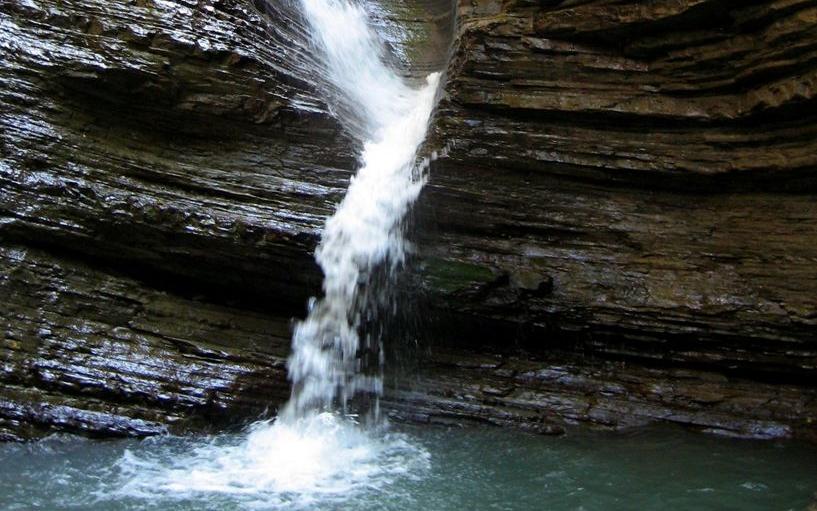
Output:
x=621 y=221
x=88 y=350
x=166 y=167
x=549 y=395
x=632 y=179
x=182 y=138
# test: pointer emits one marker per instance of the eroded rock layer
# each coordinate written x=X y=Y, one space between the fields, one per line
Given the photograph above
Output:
x=88 y=350
x=632 y=179
x=180 y=138
x=166 y=169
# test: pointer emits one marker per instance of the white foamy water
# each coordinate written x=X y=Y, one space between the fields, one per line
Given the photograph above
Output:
x=310 y=454
x=309 y=461
x=365 y=230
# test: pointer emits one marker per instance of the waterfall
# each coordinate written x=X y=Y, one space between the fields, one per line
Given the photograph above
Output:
x=364 y=232
x=310 y=454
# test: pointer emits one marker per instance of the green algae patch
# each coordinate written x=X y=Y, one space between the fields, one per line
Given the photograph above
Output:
x=453 y=276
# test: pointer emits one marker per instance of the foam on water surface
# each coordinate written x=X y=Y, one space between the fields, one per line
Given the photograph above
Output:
x=320 y=458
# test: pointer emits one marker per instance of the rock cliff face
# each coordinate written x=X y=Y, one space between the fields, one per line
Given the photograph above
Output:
x=621 y=222
x=181 y=144
x=633 y=179
x=177 y=138
x=91 y=351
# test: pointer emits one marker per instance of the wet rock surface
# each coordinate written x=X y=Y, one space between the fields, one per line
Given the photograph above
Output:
x=166 y=169
x=161 y=136
x=550 y=395
x=633 y=180
x=98 y=353
x=621 y=226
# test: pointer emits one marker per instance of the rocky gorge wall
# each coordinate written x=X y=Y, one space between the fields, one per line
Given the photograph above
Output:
x=150 y=140
x=620 y=227
x=638 y=177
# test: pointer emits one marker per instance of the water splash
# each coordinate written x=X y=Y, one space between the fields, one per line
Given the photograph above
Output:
x=322 y=459
x=364 y=232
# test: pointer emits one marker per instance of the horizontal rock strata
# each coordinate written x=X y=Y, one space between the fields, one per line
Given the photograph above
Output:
x=98 y=353
x=631 y=179
x=166 y=169
x=189 y=149
x=620 y=227
x=101 y=354
x=554 y=394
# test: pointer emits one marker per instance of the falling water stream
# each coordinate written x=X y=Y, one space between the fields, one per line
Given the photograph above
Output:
x=364 y=232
